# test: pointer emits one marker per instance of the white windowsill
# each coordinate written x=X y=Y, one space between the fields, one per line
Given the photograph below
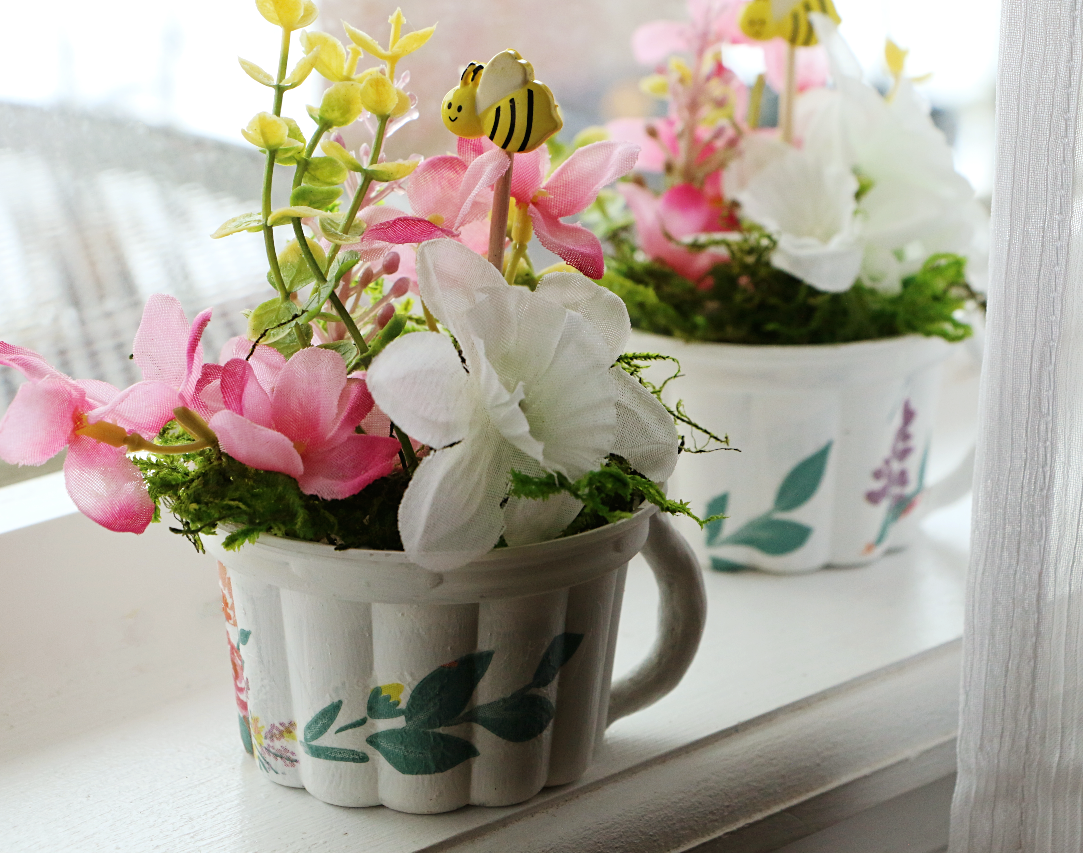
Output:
x=812 y=698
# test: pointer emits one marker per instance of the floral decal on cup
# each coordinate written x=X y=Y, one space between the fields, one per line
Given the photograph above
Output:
x=439 y=701
x=768 y=533
x=894 y=479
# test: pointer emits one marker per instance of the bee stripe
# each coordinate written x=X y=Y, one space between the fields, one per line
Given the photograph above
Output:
x=477 y=71
x=496 y=121
x=529 y=118
x=511 y=123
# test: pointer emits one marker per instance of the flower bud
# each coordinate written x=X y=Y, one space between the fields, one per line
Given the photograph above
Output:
x=378 y=95
x=288 y=14
x=341 y=104
x=391 y=263
x=266 y=131
x=402 y=104
x=331 y=63
x=384 y=316
x=400 y=288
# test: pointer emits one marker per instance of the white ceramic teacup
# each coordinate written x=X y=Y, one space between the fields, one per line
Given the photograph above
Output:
x=834 y=445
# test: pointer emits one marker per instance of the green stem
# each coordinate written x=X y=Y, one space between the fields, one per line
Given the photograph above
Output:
x=407 y=449
x=362 y=191
x=518 y=251
x=302 y=167
x=268 y=174
x=347 y=321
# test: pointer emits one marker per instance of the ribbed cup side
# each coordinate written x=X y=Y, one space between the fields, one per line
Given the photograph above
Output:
x=312 y=662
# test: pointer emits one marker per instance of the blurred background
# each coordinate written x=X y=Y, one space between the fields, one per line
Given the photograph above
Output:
x=120 y=148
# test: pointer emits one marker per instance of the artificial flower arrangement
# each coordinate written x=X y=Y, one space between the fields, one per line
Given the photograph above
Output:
x=399 y=390
x=844 y=222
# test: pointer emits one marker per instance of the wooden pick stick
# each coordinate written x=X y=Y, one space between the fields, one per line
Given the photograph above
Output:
x=789 y=95
x=498 y=228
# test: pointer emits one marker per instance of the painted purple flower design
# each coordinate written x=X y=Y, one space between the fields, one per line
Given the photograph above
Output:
x=892 y=475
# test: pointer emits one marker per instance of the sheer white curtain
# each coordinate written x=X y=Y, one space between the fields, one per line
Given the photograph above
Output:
x=1021 y=743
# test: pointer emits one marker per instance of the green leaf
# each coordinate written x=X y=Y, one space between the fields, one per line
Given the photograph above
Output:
x=319 y=198
x=334 y=753
x=346 y=348
x=325 y=172
x=256 y=73
x=271 y=320
x=803 y=480
x=242 y=636
x=246 y=735
x=516 y=718
x=419 y=752
x=560 y=651
x=720 y=565
x=297 y=337
x=322 y=720
x=342 y=265
x=716 y=506
x=383 y=707
x=356 y=724
x=442 y=694
x=244 y=222
x=771 y=535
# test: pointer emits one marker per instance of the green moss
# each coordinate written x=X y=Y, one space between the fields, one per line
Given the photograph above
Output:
x=751 y=302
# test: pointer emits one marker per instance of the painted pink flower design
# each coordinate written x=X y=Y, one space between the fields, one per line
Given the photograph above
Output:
x=304 y=425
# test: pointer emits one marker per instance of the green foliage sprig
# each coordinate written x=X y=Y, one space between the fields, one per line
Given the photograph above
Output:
x=749 y=301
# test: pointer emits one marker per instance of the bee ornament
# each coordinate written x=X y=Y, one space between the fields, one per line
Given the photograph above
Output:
x=767 y=19
x=504 y=102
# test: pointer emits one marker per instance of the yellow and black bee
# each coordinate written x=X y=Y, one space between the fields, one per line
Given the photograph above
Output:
x=503 y=101
x=768 y=19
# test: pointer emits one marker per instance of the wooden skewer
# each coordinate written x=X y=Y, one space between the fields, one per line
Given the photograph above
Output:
x=498 y=228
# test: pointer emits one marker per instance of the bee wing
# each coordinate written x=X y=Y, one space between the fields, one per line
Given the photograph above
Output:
x=781 y=8
x=506 y=74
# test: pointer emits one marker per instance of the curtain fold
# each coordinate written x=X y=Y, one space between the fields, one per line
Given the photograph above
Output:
x=1020 y=784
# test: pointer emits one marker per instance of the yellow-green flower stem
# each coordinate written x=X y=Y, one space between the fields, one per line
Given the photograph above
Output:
x=362 y=190
x=268 y=173
x=755 y=101
x=310 y=149
x=407 y=449
x=522 y=230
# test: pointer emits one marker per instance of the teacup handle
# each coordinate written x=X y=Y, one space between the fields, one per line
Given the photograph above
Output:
x=954 y=485
x=682 y=613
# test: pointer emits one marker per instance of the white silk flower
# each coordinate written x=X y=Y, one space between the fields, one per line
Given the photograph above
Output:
x=539 y=391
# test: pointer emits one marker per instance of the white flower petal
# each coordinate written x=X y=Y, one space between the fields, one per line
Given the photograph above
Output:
x=451 y=511
x=520 y=331
x=527 y=521
x=646 y=435
x=602 y=308
x=419 y=382
x=449 y=277
x=503 y=409
x=832 y=268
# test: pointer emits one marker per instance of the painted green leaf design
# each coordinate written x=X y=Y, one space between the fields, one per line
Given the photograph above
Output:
x=721 y=565
x=420 y=752
x=716 y=506
x=322 y=720
x=356 y=724
x=516 y=718
x=442 y=694
x=560 y=651
x=334 y=753
x=802 y=481
x=246 y=735
x=771 y=535
x=242 y=636
x=383 y=707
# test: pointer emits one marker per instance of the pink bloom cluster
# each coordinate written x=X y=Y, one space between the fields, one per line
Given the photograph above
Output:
x=451 y=196
x=297 y=417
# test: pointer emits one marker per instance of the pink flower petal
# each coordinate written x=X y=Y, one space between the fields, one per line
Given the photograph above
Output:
x=27 y=362
x=266 y=361
x=652 y=156
x=433 y=188
x=39 y=422
x=528 y=173
x=255 y=445
x=404 y=229
x=684 y=210
x=469 y=149
x=159 y=347
x=653 y=42
x=474 y=200
x=305 y=400
x=355 y=402
x=344 y=469
x=194 y=355
x=98 y=393
x=574 y=243
x=242 y=393
x=576 y=182
x=475 y=236
x=107 y=487
x=144 y=408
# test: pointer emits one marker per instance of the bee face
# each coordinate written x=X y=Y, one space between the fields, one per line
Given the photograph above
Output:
x=757 y=22
x=459 y=109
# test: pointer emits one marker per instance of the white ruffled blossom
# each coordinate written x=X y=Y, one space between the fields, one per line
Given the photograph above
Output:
x=538 y=392
x=915 y=203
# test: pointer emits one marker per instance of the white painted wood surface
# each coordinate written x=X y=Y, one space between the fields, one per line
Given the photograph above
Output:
x=118 y=729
